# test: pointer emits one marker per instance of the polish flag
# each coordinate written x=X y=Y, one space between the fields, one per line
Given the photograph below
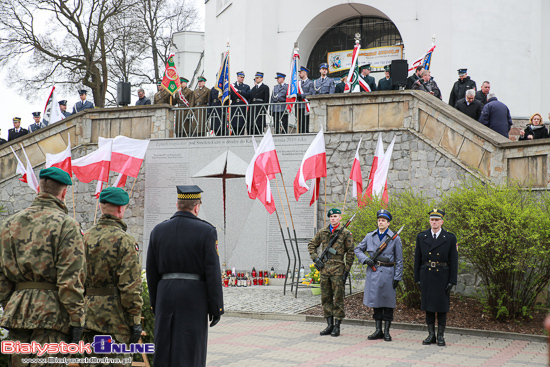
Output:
x=262 y=168
x=378 y=155
x=314 y=165
x=120 y=180
x=20 y=168
x=356 y=176
x=380 y=181
x=94 y=166
x=127 y=155
x=32 y=181
x=61 y=160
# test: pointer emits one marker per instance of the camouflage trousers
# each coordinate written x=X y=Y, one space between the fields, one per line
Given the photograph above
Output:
x=41 y=336
x=88 y=337
x=332 y=296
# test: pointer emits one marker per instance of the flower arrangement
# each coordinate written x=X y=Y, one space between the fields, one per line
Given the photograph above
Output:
x=313 y=277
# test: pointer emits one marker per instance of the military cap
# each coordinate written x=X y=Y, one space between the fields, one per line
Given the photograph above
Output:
x=159 y=82
x=366 y=66
x=387 y=68
x=437 y=213
x=56 y=174
x=82 y=91
x=202 y=79
x=240 y=73
x=462 y=72
x=36 y=114
x=333 y=211
x=17 y=119
x=114 y=195
x=259 y=74
x=383 y=213
x=63 y=102
x=280 y=75
x=345 y=73
x=303 y=68
x=323 y=65
x=188 y=192
x=183 y=80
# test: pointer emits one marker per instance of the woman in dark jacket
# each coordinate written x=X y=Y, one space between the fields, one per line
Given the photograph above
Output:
x=535 y=129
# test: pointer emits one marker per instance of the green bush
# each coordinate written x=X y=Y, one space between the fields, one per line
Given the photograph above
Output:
x=504 y=232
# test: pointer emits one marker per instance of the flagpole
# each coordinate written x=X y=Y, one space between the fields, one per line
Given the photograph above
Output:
x=284 y=243
x=96 y=206
x=74 y=205
x=346 y=195
x=135 y=179
x=325 y=213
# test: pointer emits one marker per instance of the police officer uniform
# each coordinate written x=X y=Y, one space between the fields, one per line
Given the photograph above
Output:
x=64 y=103
x=386 y=83
x=371 y=82
x=301 y=112
x=259 y=94
x=82 y=105
x=280 y=117
x=436 y=271
x=238 y=113
x=184 y=280
x=324 y=85
x=380 y=285
x=16 y=133
x=201 y=100
x=36 y=125
x=460 y=87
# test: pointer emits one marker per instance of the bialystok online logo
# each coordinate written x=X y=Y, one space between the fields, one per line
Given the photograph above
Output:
x=103 y=344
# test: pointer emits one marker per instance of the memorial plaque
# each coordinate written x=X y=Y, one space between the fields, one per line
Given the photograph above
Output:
x=247 y=235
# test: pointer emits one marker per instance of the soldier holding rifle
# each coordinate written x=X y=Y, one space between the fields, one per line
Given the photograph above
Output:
x=334 y=264
x=385 y=270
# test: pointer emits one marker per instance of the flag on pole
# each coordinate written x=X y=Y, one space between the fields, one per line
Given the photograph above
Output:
x=127 y=155
x=222 y=80
x=120 y=180
x=353 y=76
x=96 y=165
x=170 y=80
x=61 y=160
x=378 y=155
x=294 y=88
x=425 y=60
x=262 y=168
x=314 y=165
x=52 y=112
x=379 y=171
x=20 y=168
x=32 y=181
x=356 y=176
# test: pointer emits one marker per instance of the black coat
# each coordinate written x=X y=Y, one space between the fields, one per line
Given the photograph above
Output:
x=540 y=133
x=459 y=89
x=386 y=84
x=482 y=97
x=183 y=244
x=434 y=280
x=370 y=81
x=473 y=109
x=12 y=135
x=2 y=141
x=411 y=80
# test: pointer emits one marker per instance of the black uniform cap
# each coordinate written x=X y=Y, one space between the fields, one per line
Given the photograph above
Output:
x=36 y=114
x=188 y=192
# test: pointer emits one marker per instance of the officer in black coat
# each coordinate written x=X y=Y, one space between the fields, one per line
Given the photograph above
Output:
x=365 y=71
x=239 y=113
x=17 y=130
x=302 y=114
x=469 y=105
x=460 y=87
x=340 y=87
x=386 y=82
x=435 y=271
x=184 y=279
x=259 y=94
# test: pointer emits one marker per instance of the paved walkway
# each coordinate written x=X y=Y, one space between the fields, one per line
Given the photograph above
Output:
x=243 y=342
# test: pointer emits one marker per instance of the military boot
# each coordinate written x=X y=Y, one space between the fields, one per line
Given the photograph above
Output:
x=378 y=334
x=330 y=326
x=431 y=336
x=440 y=335
x=387 y=336
x=336 y=330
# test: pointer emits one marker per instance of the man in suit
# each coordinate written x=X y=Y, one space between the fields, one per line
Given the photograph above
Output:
x=36 y=125
x=365 y=71
x=185 y=120
x=83 y=103
x=184 y=279
x=307 y=90
x=325 y=84
x=238 y=114
x=259 y=95
x=201 y=94
x=415 y=78
x=17 y=130
x=469 y=105
x=63 y=108
x=280 y=117
x=435 y=271
x=386 y=82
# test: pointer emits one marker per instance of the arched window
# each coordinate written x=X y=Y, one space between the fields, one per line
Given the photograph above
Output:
x=375 y=32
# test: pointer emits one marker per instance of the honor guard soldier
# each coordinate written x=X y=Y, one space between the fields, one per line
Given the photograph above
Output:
x=259 y=95
x=307 y=90
x=380 y=284
x=42 y=270
x=340 y=87
x=278 y=110
x=238 y=114
x=185 y=119
x=334 y=272
x=113 y=285
x=36 y=125
x=17 y=130
x=460 y=87
x=325 y=84
x=435 y=271
x=365 y=71
x=83 y=104
x=184 y=279
x=386 y=82
x=63 y=108
x=162 y=96
x=201 y=94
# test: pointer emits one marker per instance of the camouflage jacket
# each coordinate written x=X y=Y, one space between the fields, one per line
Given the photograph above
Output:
x=42 y=244
x=113 y=261
x=344 y=257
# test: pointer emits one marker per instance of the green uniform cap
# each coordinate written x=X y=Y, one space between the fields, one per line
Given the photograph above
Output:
x=183 y=80
x=333 y=211
x=56 y=174
x=114 y=195
x=202 y=79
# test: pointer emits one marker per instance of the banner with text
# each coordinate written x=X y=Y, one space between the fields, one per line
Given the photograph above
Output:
x=377 y=57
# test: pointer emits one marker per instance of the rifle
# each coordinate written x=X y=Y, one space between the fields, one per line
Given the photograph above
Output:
x=384 y=244
x=328 y=251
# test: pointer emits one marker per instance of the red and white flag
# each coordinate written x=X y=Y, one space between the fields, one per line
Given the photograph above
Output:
x=61 y=160
x=379 y=183
x=422 y=59
x=127 y=155
x=32 y=181
x=262 y=168
x=314 y=165
x=96 y=165
x=120 y=180
x=356 y=176
x=20 y=168
x=378 y=155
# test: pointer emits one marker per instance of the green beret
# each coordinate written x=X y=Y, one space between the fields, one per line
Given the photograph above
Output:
x=56 y=174
x=114 y=195
x=333 y=211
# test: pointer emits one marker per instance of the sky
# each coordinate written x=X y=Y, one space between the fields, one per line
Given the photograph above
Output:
x=13 y=105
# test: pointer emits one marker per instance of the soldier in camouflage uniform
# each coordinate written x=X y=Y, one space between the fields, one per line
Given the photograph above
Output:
x=42 y=269
x=113 y=287
x=335 y=271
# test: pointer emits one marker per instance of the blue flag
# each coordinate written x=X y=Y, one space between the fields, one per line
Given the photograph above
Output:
x=222 y=79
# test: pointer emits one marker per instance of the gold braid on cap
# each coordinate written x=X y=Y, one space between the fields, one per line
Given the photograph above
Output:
x=189 y=196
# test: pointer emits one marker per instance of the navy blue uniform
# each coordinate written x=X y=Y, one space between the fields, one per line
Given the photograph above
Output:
x=302 y=115
x=238 y=114
x=258 y=95
x=79 y=106
x=143 y=101
x=183 y=244
x=12 y=134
